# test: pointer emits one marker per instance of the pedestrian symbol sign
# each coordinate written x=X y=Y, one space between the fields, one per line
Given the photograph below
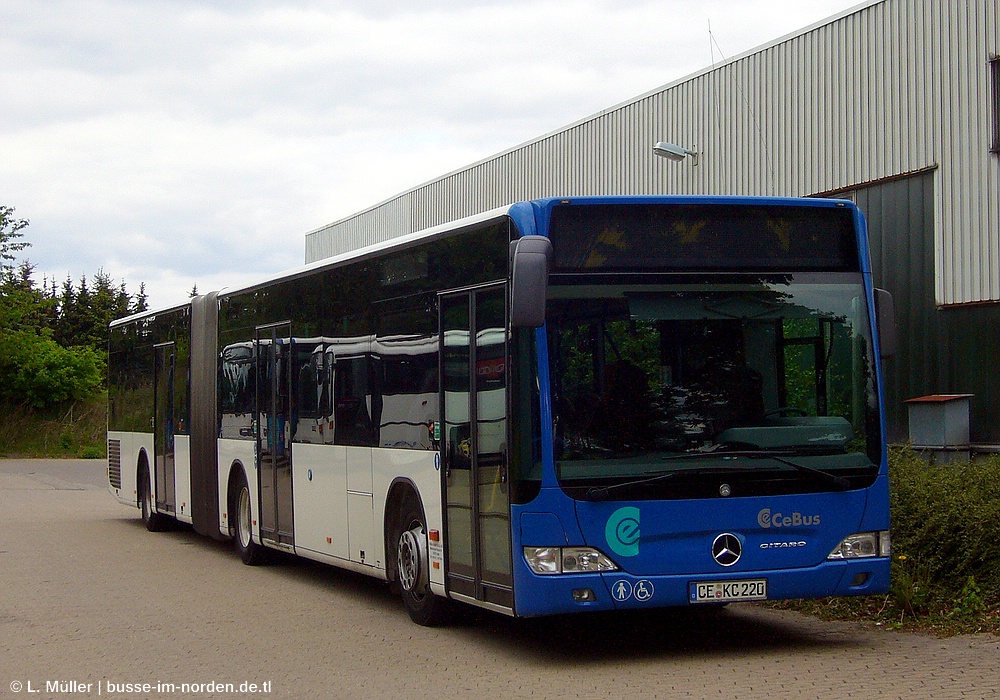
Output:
x=621 y=590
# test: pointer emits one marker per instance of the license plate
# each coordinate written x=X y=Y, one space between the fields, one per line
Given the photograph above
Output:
x=728 y=591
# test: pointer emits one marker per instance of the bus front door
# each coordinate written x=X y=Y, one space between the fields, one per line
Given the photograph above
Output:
x=474 y=444
x=164 y=366
x=274 y=453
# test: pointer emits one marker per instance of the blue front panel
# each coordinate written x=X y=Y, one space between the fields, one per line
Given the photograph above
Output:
x=647 y=538
x=662 y=548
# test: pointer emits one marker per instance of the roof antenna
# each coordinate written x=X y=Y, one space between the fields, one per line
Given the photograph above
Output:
x=712 y=43
x=769 y=170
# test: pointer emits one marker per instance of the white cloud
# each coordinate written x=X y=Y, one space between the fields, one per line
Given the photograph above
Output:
x=183 y=142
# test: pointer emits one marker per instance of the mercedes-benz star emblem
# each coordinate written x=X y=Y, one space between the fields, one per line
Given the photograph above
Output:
x=726 y=549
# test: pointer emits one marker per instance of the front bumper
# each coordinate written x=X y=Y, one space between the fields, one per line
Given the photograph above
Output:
x=558 y=594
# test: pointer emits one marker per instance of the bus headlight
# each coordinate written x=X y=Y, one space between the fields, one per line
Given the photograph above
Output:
x=567 y=560
x=863 y=545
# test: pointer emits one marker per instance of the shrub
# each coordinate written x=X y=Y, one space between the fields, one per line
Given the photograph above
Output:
x=945 y=568
x=39 y=372
x=946 y=522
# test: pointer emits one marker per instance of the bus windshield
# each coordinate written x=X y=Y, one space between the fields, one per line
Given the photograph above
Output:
x=659 y=389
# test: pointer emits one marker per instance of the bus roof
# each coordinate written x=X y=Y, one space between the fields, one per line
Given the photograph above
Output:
x=442 y=230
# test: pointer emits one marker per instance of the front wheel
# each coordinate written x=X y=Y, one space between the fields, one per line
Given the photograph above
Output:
x=241 y=510
x=412 y=570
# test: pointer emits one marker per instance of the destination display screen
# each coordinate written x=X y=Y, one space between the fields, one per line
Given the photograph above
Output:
x=765 y=237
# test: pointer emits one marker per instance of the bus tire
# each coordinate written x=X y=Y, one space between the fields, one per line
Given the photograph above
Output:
x=154 y=522
x=240 y=505
x=412 y=568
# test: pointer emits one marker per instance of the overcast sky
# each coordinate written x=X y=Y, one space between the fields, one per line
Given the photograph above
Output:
x=195 y=142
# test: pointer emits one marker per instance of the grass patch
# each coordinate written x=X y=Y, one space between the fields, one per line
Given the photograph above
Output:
x=76 y=429
x=946 y=562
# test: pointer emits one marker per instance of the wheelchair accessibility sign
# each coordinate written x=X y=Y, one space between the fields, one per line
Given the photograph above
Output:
x=623 y=590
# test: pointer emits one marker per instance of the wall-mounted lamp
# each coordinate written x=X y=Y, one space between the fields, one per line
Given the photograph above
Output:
x=672 y=151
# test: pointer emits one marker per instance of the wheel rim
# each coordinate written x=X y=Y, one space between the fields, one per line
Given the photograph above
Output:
x=408 y=559
x=243 y=518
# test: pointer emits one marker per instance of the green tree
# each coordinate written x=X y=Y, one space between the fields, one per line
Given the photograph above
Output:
x=23 y=305
x=84 y=312
x=34 y=369
x=10 y=233
x=141 y=300
x=53 y=344
x=37 y=371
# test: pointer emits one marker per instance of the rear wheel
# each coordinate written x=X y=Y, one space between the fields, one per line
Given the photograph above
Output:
x=154 y=522
x=412 y=569
x=242 y=523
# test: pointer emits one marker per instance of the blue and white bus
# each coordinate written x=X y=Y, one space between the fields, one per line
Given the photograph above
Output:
x=563 y=405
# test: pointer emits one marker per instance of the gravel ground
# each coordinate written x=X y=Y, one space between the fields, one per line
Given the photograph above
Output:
x=93 y=605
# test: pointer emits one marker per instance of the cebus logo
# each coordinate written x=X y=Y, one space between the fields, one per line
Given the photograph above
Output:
x=768 y=520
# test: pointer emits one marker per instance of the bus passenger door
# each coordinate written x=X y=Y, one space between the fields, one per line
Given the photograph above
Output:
x=274 y=454
x=164 y=367
x=474 y=444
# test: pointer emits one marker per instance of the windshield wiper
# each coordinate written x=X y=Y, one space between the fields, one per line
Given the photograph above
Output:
x=839 y=482
x=599 y=493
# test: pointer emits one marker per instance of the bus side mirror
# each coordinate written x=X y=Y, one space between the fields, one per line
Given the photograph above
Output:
x=885 y=316
x=529 y=267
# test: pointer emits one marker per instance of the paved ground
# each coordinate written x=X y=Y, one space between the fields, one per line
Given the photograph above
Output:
x=87 y=596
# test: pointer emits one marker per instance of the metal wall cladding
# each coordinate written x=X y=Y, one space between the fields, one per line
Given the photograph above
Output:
x=888 y=88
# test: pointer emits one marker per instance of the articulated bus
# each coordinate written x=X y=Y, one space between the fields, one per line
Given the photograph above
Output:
x=565 y=405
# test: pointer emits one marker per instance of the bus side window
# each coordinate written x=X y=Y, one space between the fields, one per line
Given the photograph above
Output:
x=350 y=390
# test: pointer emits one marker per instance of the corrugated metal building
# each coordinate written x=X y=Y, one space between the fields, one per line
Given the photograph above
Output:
x=894 y=103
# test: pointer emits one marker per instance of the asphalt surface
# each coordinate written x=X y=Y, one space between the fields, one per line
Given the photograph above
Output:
x=93 y=605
